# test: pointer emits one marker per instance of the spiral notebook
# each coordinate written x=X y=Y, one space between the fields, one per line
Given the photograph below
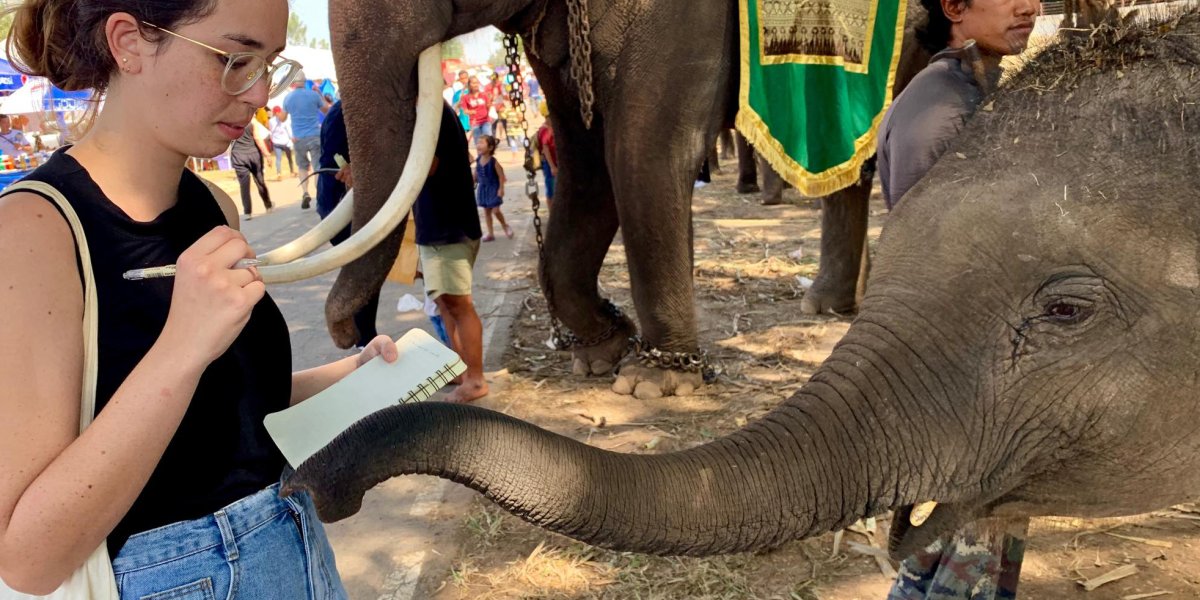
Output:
x=424 y=367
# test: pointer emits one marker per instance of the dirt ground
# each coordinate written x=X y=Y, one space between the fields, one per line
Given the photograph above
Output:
x=751 y=266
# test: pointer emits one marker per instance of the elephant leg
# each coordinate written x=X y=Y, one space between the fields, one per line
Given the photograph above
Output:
x=843 y=235
x=725 y=137
x=747 y=166
x=772 y=187
x=656 y=226
x=714 y=160
x=578 y=237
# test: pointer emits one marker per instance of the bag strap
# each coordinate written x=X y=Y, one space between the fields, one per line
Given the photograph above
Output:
x=87 y=400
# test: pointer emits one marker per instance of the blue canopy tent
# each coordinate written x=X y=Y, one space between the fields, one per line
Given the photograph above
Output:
x=39 y=96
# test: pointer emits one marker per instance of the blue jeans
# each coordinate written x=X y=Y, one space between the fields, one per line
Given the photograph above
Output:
x=261 y=546
x=551 y=180
x=481 y=130
x=280 y=152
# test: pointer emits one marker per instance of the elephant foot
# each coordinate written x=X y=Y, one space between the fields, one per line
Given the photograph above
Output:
x=819 y=300
x=649 y=383
x=601 y=358
x=772 y=200
x=748 y=188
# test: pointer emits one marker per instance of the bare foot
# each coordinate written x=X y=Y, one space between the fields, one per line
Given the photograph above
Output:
x=469 y=391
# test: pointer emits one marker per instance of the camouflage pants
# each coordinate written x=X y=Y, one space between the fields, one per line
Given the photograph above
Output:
x=977 y=562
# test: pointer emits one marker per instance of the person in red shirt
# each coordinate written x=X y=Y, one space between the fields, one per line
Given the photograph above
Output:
x=476 y=104
x=544 y=142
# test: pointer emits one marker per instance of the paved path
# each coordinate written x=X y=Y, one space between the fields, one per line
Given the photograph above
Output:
x=408 y=522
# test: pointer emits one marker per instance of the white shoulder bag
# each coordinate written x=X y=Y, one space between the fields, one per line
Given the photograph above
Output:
x=94 y=580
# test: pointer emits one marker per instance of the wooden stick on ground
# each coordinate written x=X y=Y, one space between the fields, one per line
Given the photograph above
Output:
x=1120 y=572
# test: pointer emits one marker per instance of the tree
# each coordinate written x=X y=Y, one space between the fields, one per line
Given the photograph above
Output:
x=297 y=31
x=452 y=49
x=6 y=20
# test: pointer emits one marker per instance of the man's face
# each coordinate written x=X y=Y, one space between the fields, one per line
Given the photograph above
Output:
x=1000 y=27
x=5 y=124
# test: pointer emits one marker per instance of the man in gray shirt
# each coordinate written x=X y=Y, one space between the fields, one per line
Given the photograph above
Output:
x=967 y=38
x=927 y=116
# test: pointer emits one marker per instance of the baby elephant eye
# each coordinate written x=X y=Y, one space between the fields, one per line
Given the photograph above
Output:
x=1065 y=312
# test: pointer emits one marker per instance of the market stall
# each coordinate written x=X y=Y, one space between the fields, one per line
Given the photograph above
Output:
x=38 y=99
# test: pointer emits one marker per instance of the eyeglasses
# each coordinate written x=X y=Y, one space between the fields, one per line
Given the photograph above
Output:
x=244 y=69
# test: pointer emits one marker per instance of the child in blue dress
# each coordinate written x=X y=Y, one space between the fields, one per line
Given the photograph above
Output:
x=489 y=177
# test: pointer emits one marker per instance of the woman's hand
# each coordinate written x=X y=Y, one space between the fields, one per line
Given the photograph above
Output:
x=212 y=301
x=380 y=346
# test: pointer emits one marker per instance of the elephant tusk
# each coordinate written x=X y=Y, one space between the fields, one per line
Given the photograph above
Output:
x=921 y=513
x=416 y=169
x=316 y=237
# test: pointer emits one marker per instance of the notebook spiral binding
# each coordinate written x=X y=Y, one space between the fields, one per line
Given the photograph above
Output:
x=432 y=384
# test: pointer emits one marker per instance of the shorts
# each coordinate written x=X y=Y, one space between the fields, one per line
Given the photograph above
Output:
x=481 y=130
x=447 y=268
x=308 y=152
x=261 y=546
x=551 y=180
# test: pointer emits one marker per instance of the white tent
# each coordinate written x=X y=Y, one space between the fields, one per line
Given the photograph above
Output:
x=318 y=64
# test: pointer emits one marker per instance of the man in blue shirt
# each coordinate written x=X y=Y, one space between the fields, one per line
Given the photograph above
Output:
x=305 y=106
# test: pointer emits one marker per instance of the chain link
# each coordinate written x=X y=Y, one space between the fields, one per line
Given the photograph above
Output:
x=688 y=362
x=579 y=25
x=562 y=340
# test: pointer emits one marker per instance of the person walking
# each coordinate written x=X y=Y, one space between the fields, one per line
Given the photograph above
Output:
x=489 y=179
x=281 y=139
x=448 y=241
x=305 y=107
x=475 y=104
x=246 y=154
x=176 y=475
x=548 y=151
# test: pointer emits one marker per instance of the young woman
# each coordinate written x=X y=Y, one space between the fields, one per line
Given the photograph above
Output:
x=176 y=472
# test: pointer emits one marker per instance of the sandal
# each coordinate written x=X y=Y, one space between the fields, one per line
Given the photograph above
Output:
x=508 y=231
x=489 y=238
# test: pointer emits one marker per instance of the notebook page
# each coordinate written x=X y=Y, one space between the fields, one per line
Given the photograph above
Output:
x=302 y=430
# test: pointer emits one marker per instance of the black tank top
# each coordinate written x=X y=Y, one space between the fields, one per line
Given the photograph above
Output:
x=221 y=451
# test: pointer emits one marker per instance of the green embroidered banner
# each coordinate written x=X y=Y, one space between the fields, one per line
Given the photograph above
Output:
x=816 y=79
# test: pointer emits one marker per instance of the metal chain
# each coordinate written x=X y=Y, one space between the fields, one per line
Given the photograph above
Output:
x=689 y=362
x=516 y=95
x=579 y=24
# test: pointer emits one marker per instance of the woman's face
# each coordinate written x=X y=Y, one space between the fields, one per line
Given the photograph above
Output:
x=188 y=109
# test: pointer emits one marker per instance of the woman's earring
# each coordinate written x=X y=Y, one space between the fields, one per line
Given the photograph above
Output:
x=125 y=65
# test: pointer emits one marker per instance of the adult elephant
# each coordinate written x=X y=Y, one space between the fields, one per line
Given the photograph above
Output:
x=632 y=166
x=1028 y=346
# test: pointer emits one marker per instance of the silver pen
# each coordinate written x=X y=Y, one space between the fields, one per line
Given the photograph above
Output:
x=169 y=270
